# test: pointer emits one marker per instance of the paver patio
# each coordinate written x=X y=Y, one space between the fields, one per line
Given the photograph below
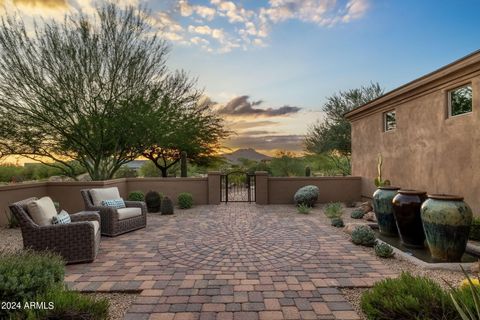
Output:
x=235 y=261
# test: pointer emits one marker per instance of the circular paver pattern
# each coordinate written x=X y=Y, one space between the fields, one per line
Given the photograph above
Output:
x=240 y=243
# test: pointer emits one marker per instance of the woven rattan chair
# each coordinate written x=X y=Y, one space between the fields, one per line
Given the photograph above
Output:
x=75 y=242
x=111 y=223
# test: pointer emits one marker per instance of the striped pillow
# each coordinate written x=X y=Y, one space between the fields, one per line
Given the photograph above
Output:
x=114 y=203
x=62 y=218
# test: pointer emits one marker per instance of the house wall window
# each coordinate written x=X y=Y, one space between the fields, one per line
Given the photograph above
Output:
x=460 y=100
x=389 y=121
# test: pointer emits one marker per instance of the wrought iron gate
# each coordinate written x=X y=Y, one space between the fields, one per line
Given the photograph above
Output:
x=237 y=186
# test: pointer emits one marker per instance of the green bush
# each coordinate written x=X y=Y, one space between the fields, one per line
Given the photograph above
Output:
x=337 y=222
x=136 y=196
x=166 y=206
x=185 y=200
x=333 y=210
x=153 y=200
x=410 y=297
x=126 y=172
x=307 y=195
x=357 y=214
x=26 y=274
x=70 y=305
x=303 y=209
x=383 y=250
x=475 y=229
x=363 y=235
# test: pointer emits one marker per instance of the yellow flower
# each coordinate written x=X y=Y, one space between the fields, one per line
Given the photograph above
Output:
x=465 y=283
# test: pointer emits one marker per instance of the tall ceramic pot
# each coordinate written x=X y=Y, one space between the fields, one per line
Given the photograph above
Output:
x=406 y=209
x=383 y=208
x=446 y=221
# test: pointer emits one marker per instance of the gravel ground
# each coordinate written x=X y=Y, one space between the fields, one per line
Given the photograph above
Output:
x=10 y=239
x=119 y=303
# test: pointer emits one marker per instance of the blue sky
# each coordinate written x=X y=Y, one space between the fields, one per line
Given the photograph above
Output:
x=286 y=56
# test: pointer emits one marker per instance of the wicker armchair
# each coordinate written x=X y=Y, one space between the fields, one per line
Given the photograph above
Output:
x=111 y=223
x=75 y=242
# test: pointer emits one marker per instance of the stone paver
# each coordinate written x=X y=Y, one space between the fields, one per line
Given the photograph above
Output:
x=235 y=261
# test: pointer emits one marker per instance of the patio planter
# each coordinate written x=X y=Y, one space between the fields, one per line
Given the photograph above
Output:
x=406 y=209
x=383 y=208
x=446 y=221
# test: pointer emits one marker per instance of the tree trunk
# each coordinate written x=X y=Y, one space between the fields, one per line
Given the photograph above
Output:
x=164 y=172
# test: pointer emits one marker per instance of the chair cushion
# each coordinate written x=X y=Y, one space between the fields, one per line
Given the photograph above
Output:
x=96 y=226
x=98 y=195
x=114 y=203
x=62 y=218
x=126 y=213
x=42 y=211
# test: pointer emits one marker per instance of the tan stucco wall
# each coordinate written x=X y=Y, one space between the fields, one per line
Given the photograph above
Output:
x=172 y=187
x=17 y=192
x=332 y=189
x=428 y=150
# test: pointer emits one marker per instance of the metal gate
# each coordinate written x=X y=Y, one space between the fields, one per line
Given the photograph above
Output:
x=237 y=186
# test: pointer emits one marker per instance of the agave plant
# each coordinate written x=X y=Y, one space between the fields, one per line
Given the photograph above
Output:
x=462 y=308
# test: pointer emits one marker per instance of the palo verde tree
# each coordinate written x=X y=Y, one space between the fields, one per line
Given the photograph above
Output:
x=88 y=89
x=333 y=135
x=193 y=128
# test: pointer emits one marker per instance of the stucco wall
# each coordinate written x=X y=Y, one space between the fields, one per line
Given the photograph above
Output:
x=428 y=150
x=282 y=190
x=172 y=187
x=17 y=192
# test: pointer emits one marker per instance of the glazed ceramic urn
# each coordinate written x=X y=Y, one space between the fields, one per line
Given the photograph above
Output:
x=406 y=209
x=383 y=208
x=446 y=220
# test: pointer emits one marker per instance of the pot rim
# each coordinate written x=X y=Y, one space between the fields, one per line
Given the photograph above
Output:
x=411 y=191
x=388 y=188
x=447 y=197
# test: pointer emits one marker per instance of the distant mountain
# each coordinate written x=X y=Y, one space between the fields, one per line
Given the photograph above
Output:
x=250 y=154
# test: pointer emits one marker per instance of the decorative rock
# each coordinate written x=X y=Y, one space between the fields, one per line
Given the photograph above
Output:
x=366 y=207
x=349 y=227
x=475 y=268
x=370 y=216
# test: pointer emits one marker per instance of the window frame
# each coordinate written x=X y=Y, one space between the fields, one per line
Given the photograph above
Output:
x=385 y=127
x=449 y=100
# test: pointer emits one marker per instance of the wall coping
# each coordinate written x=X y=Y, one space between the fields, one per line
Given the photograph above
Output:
x=27 y=185
x=169 y=179
x=315 y=178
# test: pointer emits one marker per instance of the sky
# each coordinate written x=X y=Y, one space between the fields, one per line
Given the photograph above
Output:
x=268 y=65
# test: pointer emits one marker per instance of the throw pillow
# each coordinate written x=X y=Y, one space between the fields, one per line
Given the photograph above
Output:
x=62 y=218
x=114 y=203
x=42 y=211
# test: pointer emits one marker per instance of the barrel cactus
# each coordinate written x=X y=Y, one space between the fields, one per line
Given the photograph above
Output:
x=307 y=195
x=166 y=206
x=363 y=235
x=383 y=250
x=357 y=214
x=337 y=222
x=153 y=200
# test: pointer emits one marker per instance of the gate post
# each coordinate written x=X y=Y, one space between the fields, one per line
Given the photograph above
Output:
x=261 y=187
x=214 y=188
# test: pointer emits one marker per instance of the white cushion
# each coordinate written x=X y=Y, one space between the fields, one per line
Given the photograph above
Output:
x=126 y=213
x=96 y=226
x=99 y=195
x=42 y=211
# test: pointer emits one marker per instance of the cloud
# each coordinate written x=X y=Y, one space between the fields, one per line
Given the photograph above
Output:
x=241 y=106
x=52 y=4
x=240 y=125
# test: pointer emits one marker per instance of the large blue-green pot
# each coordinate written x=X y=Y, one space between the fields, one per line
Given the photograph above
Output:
x=383 y=208
x=446 y=221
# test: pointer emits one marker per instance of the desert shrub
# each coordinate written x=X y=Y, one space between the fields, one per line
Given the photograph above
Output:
x=383 y=250
x=307 y=195
x=150 y=170
x=136 y=196
x=357 y=214
x=333 y=210
x=126 y=172
x=475 y=229
x=337 y=222
x=70 y=305
x=303 y=209
x=26 y=274
x=411 y=297
x=153 y=200
x=363 y=235
x=166 y=206
x=185 y=200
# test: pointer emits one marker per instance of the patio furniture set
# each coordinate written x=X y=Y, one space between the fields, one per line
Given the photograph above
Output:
x=76 y=237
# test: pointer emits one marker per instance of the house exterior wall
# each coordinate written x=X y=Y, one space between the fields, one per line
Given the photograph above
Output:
x=428 y=150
